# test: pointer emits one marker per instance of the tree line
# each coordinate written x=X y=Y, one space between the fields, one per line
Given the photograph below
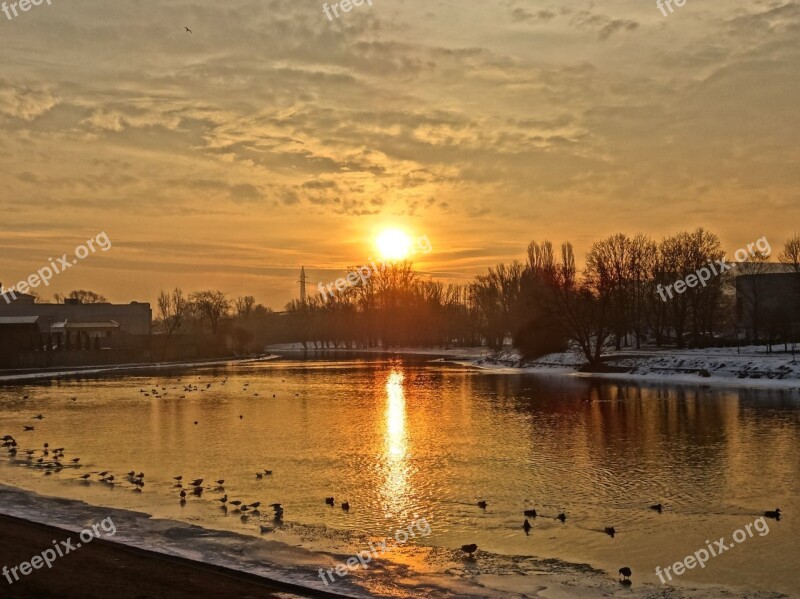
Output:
x=546 y=302
x=540 y=305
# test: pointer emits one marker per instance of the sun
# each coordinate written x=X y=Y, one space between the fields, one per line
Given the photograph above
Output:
x=393 y=244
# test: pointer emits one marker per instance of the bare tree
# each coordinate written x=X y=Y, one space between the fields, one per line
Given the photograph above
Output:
x=791 y=252
x=172 y=308
x=680 y=256
x=244 y=306
x=611 y=267
x=213 y=306
x=577 y=306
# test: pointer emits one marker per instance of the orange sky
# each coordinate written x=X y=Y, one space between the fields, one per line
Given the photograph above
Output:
x=271 y=138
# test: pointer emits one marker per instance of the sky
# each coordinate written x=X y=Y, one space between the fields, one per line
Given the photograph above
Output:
x=271 y=137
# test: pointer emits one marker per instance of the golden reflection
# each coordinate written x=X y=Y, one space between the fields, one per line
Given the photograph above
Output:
x=396 y=444
x=395 y=415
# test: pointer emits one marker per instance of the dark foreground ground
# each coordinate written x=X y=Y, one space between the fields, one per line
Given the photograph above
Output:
x=105 y=570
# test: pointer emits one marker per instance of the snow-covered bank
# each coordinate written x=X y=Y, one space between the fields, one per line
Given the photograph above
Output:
x=752 y=367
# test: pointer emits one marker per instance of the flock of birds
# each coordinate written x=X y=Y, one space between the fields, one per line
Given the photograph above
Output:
x=51 y=460
x=625 y=572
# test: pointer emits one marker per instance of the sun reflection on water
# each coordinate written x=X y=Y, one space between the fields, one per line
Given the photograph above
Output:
x=395 y=486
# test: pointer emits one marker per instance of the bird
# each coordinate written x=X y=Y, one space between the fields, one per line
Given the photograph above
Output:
x=346 y=506
x=85 y=476
x=657 y=507
x=132 y=473
x=178 y=478
x=277 y=506
x=39 y=417
x=527 y=526
x=75 y=460
x=197 y=483
x=183 y=494
x=562 y=516
x=530 y=513
x=259 y=476
x=329 y=500
x=776 y=514
x=189 y=30
x=223 y=499
x=220 y=482
x=27 y=428
x=469 y=549
x=625 y=572
x=265 y=529
x=255 y=505
x=236 y=502
x=268 y=472
x=609 y=530
x=482 y=504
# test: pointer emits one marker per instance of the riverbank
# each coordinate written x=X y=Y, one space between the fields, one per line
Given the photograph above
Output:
x=162 y=558
x=28 y=376
x=752 y=366
x=105 y=569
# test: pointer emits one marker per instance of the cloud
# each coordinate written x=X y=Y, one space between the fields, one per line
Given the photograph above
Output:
x=520 y=15
x=25 y=102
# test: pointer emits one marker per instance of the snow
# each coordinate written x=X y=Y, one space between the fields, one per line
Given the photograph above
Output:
x=751 y=367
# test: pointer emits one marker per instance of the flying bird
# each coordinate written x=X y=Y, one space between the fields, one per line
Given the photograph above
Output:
x=189 y=30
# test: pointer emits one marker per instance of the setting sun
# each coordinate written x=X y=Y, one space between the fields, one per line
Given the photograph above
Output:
x=393 y=244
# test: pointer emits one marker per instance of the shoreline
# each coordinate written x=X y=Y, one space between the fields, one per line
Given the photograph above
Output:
x=124 y=368
x=107 y=568
x=714 y=367
x=139 y=564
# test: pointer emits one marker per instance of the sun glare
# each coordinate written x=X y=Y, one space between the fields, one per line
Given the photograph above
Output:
x=393 y=244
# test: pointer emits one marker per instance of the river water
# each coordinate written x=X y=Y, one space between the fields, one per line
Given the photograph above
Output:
x=411 y=442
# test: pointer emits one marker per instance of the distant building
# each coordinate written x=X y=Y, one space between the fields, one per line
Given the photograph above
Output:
x=768 y=305
x=131 y=319
x=71 y=334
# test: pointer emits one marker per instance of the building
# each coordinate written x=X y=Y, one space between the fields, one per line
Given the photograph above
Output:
x=71 y=334
x=131 y=319
x=768 y=306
